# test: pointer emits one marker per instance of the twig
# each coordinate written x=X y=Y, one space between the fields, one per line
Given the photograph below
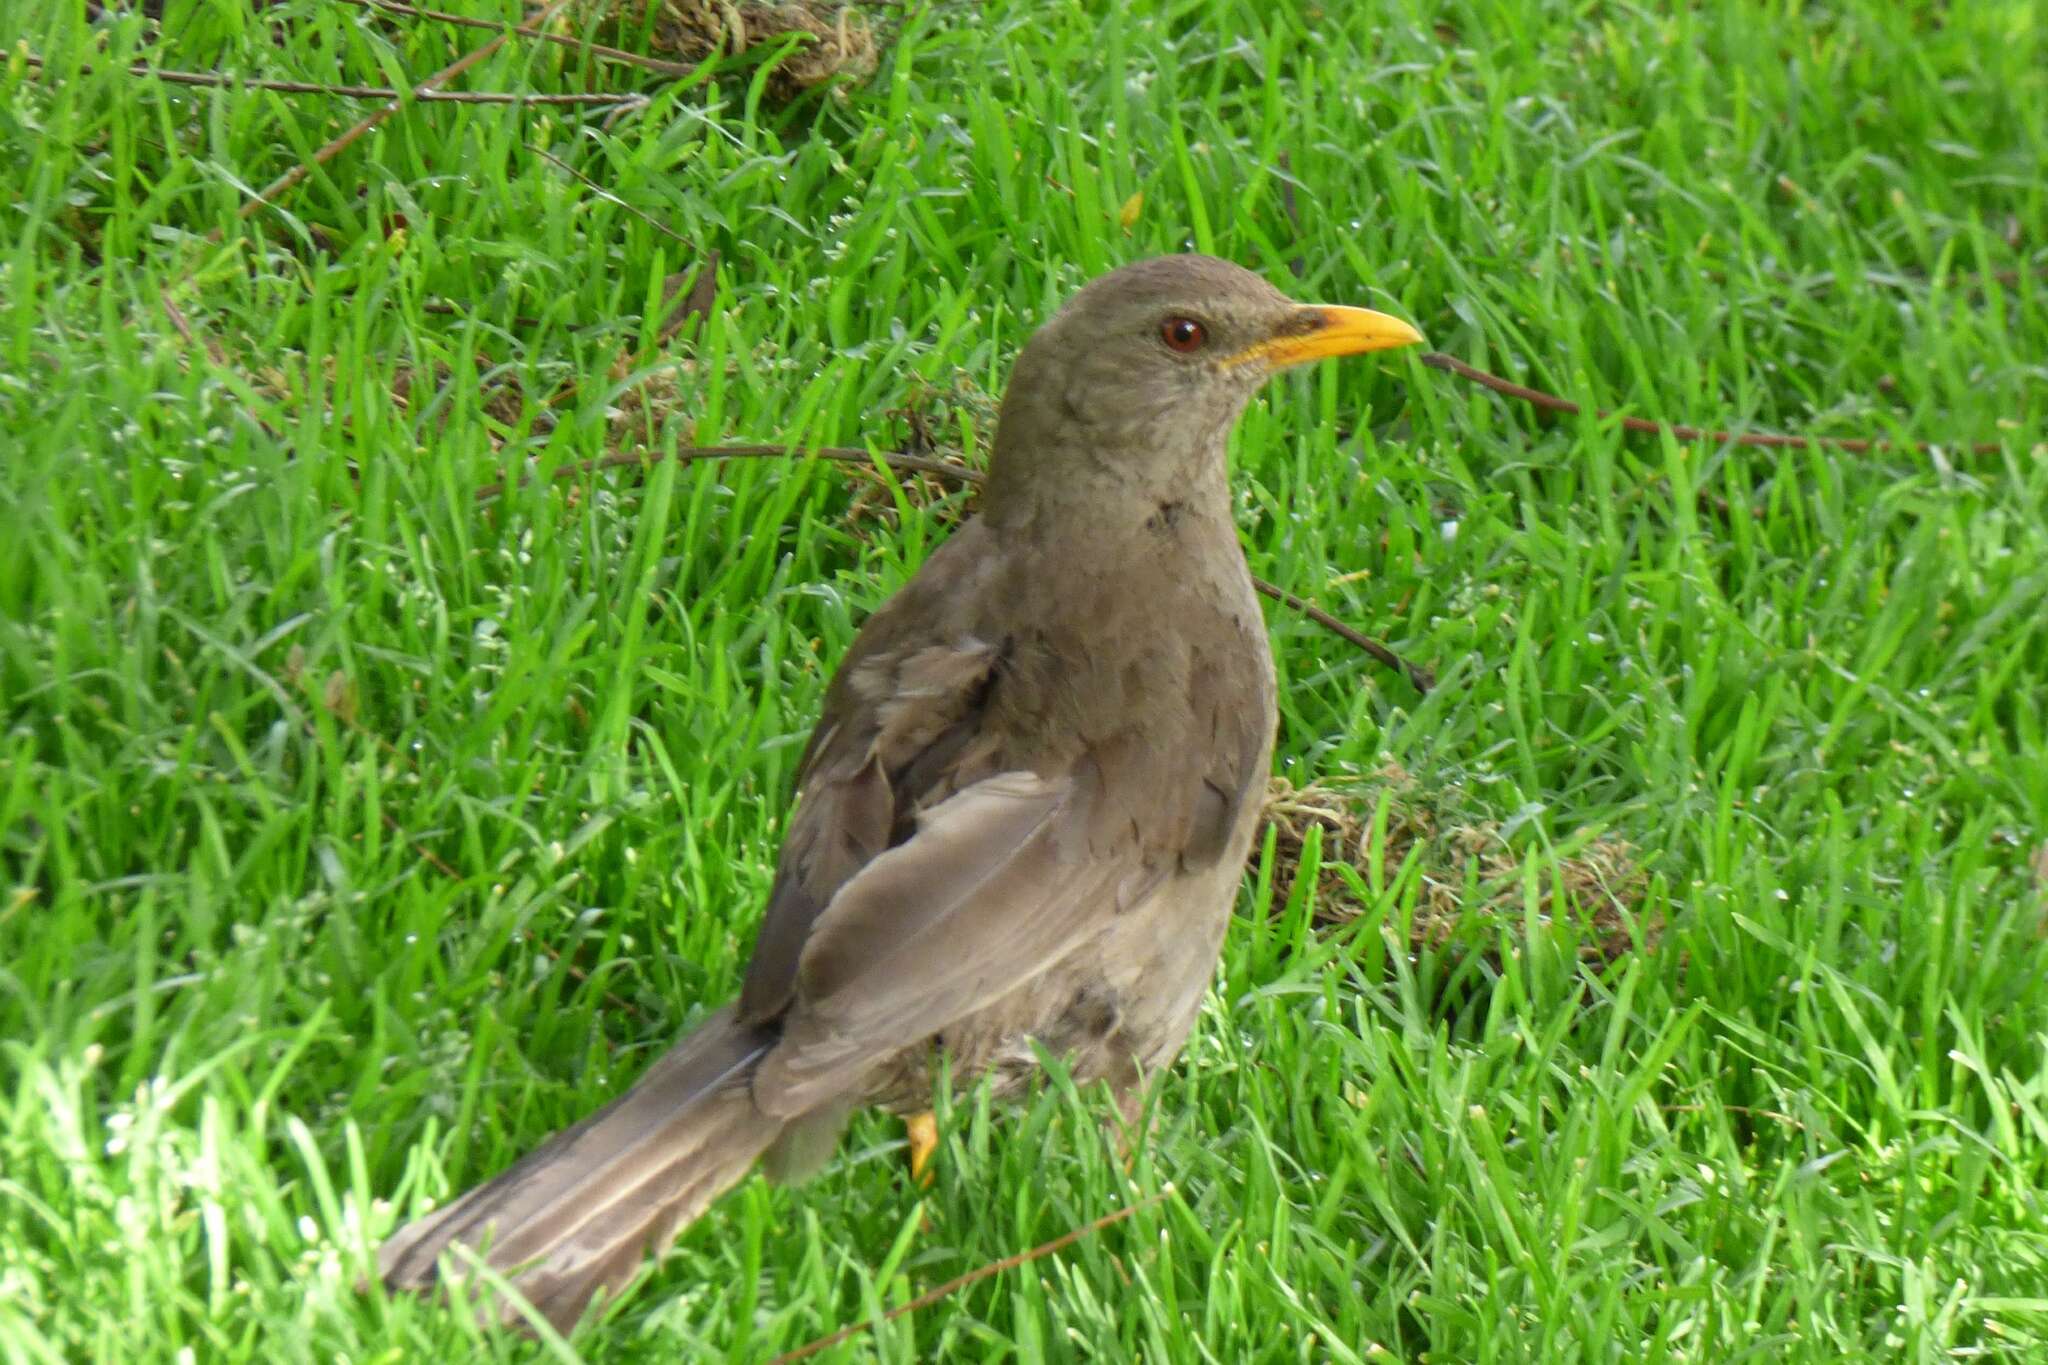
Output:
x=601 y=192
x=915 y=464
x=177 y=316
x=216 y=353
x=1422 y=678
x=610 y=54
x=377 y=116
x=433 y=859
x=1969 y=279
x=960 y=1282
x=703 y=284
x=228 y=80
x=1550 y=402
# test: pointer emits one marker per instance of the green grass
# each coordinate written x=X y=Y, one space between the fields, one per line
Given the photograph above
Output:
x=261 y=655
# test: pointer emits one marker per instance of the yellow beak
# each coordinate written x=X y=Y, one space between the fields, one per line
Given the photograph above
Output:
x=1327 y=330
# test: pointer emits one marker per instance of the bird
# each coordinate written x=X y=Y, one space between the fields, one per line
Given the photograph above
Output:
x=1022 y=816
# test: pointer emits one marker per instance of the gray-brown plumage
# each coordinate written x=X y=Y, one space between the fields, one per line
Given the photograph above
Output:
x=1023 y=813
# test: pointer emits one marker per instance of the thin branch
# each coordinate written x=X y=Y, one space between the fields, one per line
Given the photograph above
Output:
x=915 y=464
x=702 y=293
x=176 y=314
x=427 y=855
x=377 y=116
x=228 y=80
x=1550 y=402
x=603 y=193
x=960 y=1282
x=1979 y=281
x=610 y=54
x=1421 y=677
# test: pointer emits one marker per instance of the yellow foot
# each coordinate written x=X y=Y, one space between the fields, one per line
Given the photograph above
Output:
x=922 y=1130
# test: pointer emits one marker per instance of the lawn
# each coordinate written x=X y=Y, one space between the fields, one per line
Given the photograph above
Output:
x=355 y=834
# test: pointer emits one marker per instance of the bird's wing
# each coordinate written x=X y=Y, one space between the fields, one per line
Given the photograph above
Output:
x=999 y=882
x=1235 y=732
x=901 y=729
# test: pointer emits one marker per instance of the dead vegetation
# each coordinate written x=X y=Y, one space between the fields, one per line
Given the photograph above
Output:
x=833 y=41
x=1472 y=877
x=931 y=421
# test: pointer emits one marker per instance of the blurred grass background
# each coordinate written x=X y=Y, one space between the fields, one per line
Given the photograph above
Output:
x=354 y=836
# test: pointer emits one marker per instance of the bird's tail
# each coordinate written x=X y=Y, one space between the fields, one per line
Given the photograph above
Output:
x=580 y=1213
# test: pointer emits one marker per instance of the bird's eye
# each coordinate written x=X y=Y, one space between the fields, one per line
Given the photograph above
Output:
x=1184 y=335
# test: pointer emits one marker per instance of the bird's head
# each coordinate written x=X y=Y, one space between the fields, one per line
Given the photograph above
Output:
x=1145 y=370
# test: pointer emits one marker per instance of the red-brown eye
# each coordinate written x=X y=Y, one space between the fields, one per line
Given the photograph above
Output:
x=1184 y=335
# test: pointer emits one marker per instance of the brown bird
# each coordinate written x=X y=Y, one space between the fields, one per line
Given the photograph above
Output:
x=1023 y=814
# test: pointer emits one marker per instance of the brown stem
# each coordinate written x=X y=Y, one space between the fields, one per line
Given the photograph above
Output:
x=377 y=116
x=601 y=192
x=960 y=1282
x=915 y=464
x=1422 y=678
x=610 y=54
x=1550 y=402
x=228 y=80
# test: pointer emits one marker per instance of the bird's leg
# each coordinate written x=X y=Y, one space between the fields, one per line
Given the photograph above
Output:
x=1129 y=1123
x=922 y=1131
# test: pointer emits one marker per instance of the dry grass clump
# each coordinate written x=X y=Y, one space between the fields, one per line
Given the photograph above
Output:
x=871 y=513
x=927 y=425
x=1470 y=874
x=839 y=39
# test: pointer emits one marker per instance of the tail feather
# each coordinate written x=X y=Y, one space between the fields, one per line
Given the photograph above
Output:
x=581 y=1212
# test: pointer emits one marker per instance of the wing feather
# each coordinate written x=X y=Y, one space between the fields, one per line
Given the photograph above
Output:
x=996 y=886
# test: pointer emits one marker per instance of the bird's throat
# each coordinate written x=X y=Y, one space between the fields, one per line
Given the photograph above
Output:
x=1096 y=511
